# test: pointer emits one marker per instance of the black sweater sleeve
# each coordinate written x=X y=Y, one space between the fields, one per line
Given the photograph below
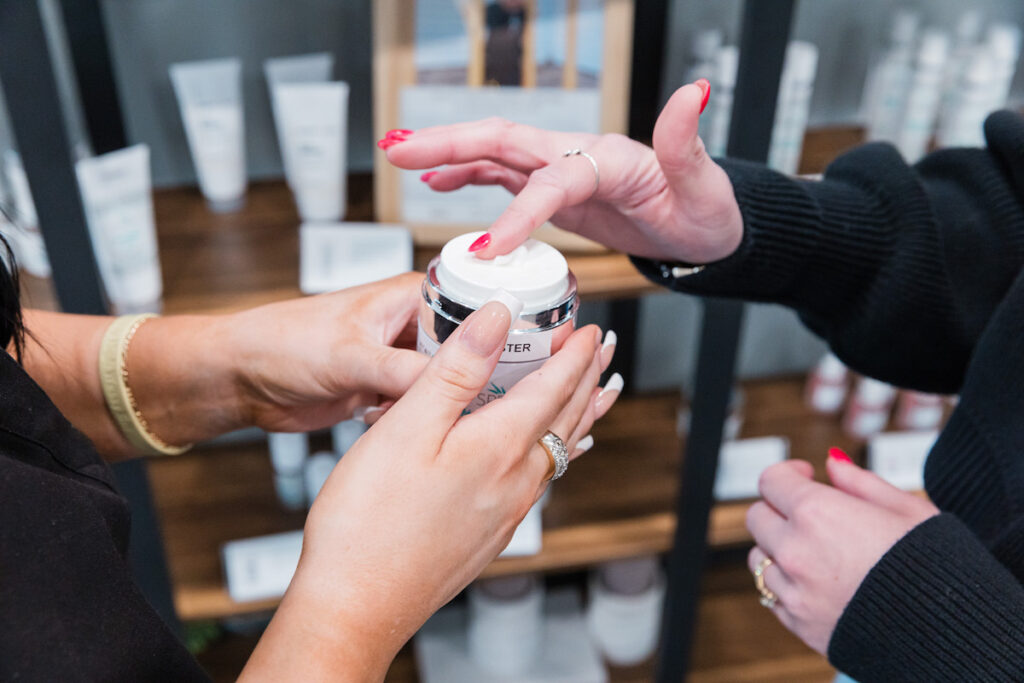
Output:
x=898 y=267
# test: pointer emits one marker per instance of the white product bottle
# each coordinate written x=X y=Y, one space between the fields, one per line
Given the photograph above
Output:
x=209 y=95
x=536 y=273
x=968 y=29
x=827 y=385
x=869 y=408
x=624 y=612
x=117 y=195
x=345 y=434
x=924 y=97
x=1003 y=43
x=318 y=467
x=289 y=452
x=727 y=64
x=886 y=99
x=28 y=240
x=506 y=624
x=963 y=126
x=705 y=48
x=793 y=106
x=918 y=411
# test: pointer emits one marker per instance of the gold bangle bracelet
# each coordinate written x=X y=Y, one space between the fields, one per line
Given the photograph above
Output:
x=118 y=395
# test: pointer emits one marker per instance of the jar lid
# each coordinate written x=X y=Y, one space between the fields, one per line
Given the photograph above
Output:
x=535 y=273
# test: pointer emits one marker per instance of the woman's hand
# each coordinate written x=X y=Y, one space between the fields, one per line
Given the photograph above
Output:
x=823 y=539
x=426 y=499
x=671 y=203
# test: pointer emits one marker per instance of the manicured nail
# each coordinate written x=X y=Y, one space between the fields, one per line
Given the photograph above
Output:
x=585 y=444
x=486 y=330
x=705 y=88
x=363 y=412
x=384 y=143
x=610 y=339
x=481 y=242
x=615 y=383
x=398 y=133
x=839 y=454
x=427 y=176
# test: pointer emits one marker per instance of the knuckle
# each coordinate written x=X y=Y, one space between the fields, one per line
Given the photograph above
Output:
x=454 y=381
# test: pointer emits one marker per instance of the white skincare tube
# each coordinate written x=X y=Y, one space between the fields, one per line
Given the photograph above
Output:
x=118 y=201
x=345 y=434
x=311 y=68
x=210 y=98
x=1003 y=42
x=28 y=240
x=924 y=97
x=313 y=127
x=793 y=106
x=968 y=29
x=289 y=452
x=318 y=467
x=962 y=126
x=727 y=62
x=891 y=78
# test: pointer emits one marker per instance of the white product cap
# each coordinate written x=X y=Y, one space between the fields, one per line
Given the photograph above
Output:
x=831 y=368
x=934 y=48
x=288 y=451
x=1004 y=41
x=904 y=27
x=706 y=43
x=535 y=273
x=318 y=468
x=508 y=587
x=728 y=62
x=801 y=60
x=873 y=392
x=346 y=433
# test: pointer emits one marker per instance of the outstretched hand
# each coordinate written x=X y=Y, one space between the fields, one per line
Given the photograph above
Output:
x=672 y=202
x=823 y=540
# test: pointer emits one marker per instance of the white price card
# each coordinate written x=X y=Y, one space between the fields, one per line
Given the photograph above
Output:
x=898 y=457
x=740 y=464
x=261 y=567
x=334 y=256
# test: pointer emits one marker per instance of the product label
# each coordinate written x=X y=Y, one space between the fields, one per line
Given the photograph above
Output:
x=524 y=353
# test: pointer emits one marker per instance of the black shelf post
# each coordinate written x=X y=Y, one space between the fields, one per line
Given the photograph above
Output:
x=30 y=89
x=765 y=34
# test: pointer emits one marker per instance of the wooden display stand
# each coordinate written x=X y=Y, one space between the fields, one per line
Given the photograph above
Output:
x=394 y=67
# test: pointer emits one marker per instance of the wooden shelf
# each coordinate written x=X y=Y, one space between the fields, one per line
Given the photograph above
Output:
x=216 y=263
x=618 y=502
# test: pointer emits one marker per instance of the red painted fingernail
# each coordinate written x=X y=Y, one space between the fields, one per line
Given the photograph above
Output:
x=481 y=242
x=839 y=454
x=387 y=142
x=399 y=133
x=427 y=176
x=705 y=87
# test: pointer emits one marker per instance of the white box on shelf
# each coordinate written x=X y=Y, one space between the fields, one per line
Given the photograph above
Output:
x=740 y=464
x=334 y=256
x=261 y=567
x=898 y=457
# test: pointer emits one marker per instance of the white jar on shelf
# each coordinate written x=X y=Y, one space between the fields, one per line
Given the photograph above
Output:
x=506 y=623
x=624 y=613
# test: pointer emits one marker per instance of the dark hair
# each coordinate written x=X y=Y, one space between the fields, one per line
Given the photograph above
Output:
x=12 y=328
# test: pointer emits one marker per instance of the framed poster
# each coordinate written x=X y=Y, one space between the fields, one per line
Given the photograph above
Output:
x=557 y=64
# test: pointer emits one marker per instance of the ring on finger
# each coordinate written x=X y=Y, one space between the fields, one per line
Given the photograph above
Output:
x=768 y=597
x=557 y=452
x=577 y=152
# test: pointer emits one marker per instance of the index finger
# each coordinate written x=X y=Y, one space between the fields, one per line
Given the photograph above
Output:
x=784 y=485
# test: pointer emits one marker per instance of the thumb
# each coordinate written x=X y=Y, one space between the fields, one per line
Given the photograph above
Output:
x=861 y=483
x=457 y=373
x=680 y=151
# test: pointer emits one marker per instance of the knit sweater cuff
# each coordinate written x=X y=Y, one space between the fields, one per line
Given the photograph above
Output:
x=936 y=607
x=807 y=244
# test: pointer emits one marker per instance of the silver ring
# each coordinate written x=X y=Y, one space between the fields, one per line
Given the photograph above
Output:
x=558 y=452
x=577 y=152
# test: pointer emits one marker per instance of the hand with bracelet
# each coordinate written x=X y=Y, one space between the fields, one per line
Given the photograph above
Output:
x=416 y=509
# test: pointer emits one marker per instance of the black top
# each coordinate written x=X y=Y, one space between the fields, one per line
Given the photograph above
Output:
x=913 y=275
x=69 y=609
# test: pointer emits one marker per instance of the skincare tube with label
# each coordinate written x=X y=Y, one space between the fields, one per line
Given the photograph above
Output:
x=727 y=61
x=28 y=240
x=118 y=203
x=209 y=95
x=289 y=452
x=313 y=129
x=869 y=408
x=827 y=385
x=924 y=97
x=793 y=106
x=311 y=68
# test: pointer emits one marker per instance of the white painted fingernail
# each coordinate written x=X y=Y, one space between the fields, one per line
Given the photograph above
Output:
x=610 y=339
x=615 y=383
x=514 y=305
x=585 y=444
x=362 y=412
